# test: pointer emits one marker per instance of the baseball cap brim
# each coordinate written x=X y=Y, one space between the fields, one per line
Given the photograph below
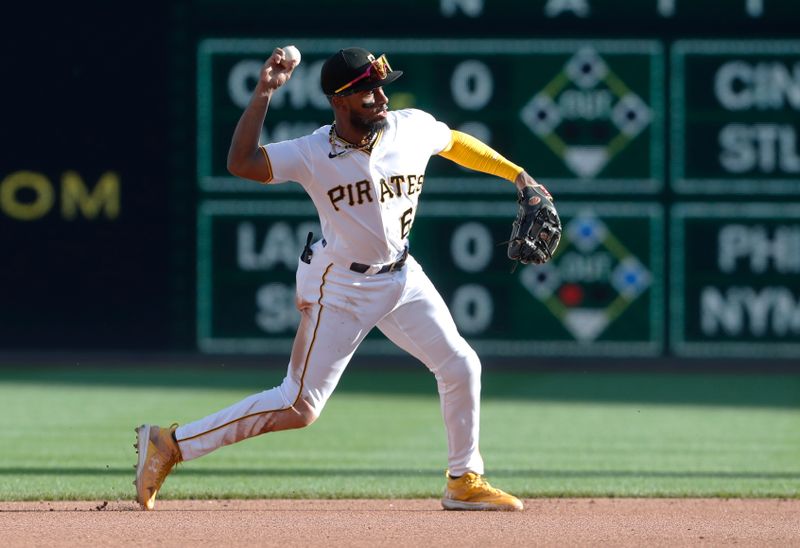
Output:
x=372 y=84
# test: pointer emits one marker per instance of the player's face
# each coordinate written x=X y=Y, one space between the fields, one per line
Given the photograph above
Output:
x=368 y=109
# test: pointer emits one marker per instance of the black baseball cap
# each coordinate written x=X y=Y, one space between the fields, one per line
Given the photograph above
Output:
x=347 y=65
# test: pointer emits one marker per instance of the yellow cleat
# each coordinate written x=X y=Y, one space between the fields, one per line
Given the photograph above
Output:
x=158 y=454
x=472 y=492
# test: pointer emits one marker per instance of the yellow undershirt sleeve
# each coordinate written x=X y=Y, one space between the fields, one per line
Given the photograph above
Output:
x=467 y=151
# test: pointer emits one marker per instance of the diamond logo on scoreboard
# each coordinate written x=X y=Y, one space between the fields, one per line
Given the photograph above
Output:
x=590 y=281
x=586 y=114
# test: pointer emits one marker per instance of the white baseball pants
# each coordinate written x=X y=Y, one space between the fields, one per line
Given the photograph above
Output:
x=338 y=308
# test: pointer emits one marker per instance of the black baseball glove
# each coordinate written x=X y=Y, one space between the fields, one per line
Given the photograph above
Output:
x=537 y=230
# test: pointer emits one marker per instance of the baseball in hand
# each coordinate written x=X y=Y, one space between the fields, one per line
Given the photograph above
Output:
x=291 y=53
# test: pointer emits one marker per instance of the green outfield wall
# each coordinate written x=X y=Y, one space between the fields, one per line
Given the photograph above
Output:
x=667 y=133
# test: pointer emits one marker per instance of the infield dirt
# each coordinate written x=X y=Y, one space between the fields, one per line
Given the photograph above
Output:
x=369 y=523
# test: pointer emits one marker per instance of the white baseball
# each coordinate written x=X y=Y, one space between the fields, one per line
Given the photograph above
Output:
x=291 y=53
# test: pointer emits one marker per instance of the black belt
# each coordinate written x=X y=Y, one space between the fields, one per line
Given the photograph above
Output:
x=390 y=267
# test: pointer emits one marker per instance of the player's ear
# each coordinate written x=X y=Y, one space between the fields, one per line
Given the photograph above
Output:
x=340 y=103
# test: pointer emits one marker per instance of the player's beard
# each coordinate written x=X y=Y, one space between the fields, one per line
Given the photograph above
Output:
x=365 y=123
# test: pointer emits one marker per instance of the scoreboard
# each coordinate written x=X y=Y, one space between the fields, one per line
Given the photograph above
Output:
x=586 y=114
x=735 y=279
x=674 y=160
x=602 y=293
x=744 y=98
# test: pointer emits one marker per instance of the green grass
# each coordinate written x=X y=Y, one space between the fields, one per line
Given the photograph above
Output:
x=68 y=434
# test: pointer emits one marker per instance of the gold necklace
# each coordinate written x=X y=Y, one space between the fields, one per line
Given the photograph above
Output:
x=365 y=144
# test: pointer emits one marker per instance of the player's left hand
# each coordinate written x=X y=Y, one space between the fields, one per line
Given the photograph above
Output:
x=523 y=180
x=537 y=229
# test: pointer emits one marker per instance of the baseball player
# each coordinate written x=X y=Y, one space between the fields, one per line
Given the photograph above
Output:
x=364 y=173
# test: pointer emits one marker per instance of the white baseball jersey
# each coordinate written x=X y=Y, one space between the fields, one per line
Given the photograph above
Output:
x=366 y=201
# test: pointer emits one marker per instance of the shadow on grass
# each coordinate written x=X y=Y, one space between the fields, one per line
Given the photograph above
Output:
x=378 y=472
x=728 y=389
